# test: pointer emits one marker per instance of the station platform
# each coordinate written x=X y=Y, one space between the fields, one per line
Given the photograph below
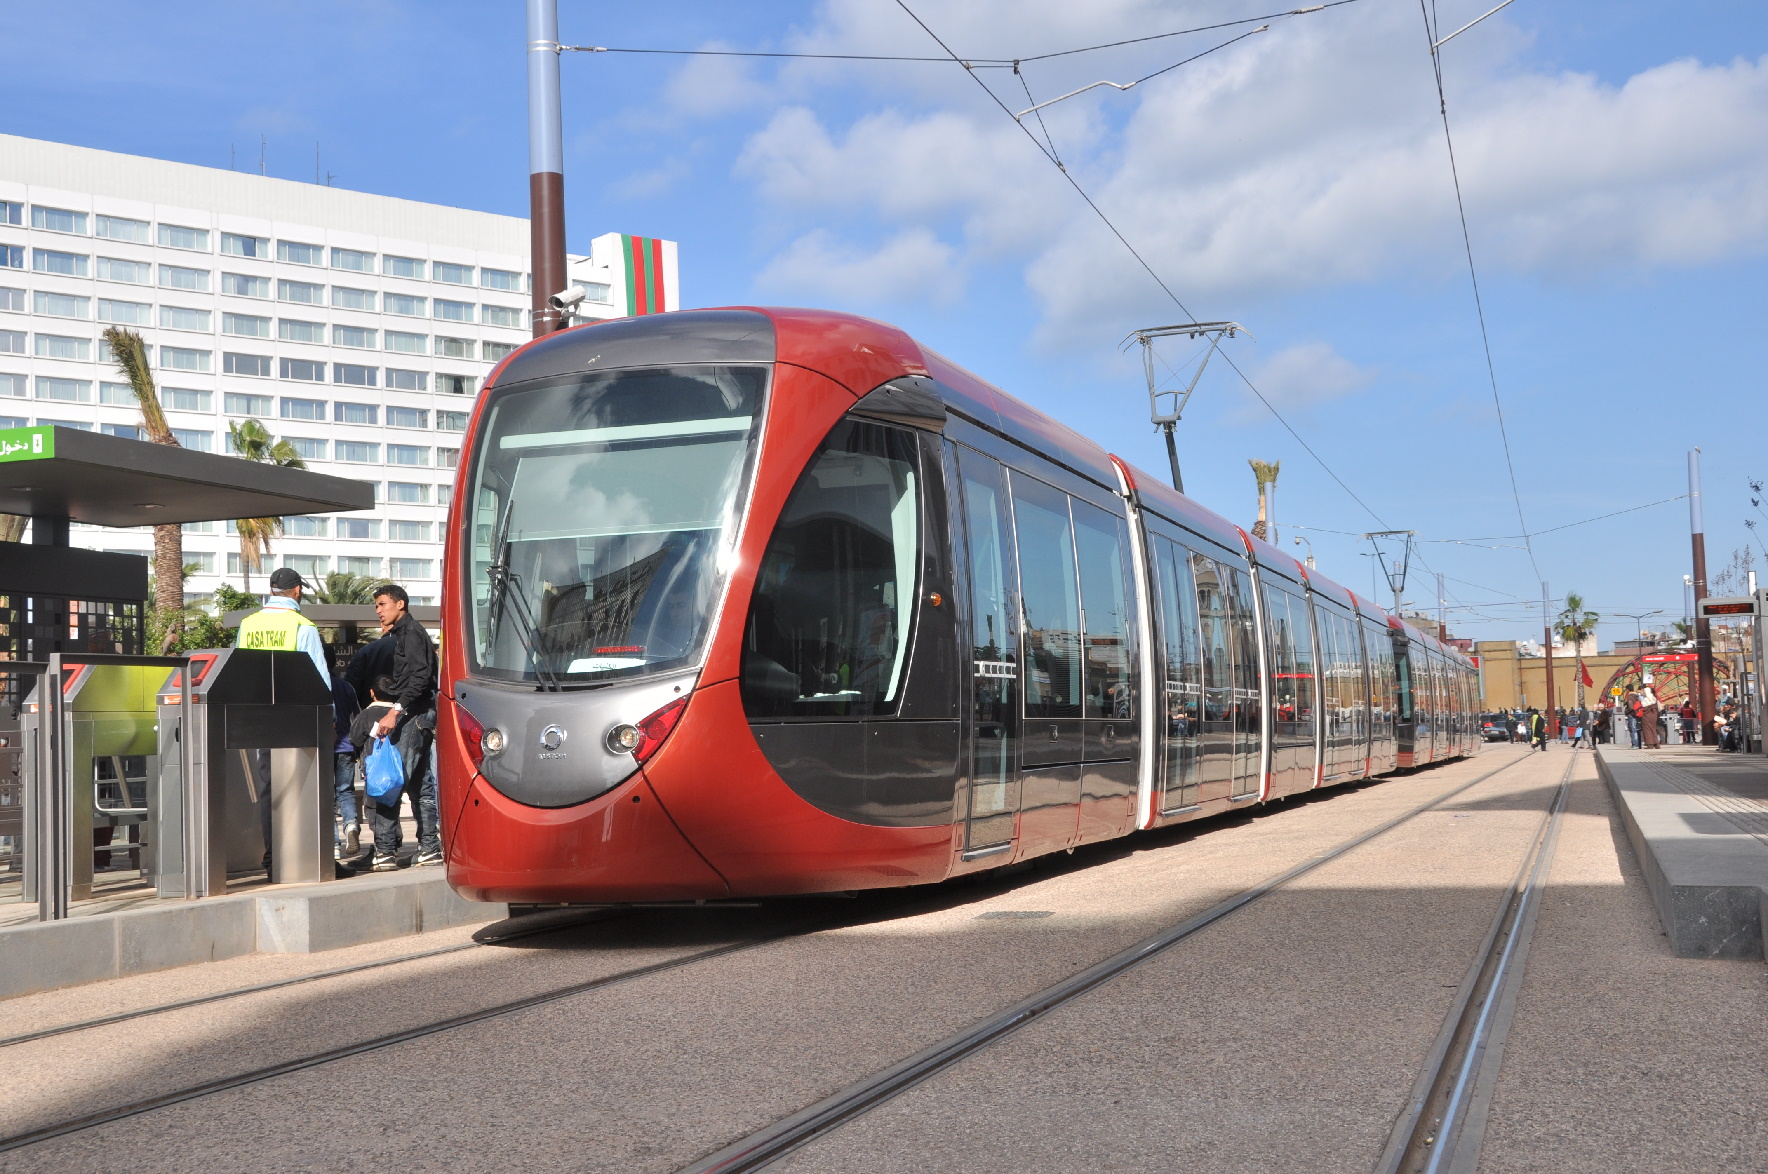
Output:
x=1698 y=821
x=148 y=934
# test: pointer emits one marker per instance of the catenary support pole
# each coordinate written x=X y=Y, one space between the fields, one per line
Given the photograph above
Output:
x=546 y=164
x=1547 y=647
x=1703 y=630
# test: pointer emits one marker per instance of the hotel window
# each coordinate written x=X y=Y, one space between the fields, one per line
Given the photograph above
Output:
x=13 y=300
x=408 y=344
x=410 y=307
x=406 y=380
x=456 y=384
x=12 y=257
x=183 y=359
x=60 y=305
x=402 y=267
x=245 y=325
x=76 y=425
x=174 y=237
x=451 y=421
x=454 y=348
x=502 y=316
x=345 y=298
x=358 y=452
x=176 y=277
x=351 y=375
x=408 y=418
x=402 y=531
x=126 y=313
x=182 y=399
x=204 y=560
x=58 y=220
x=444 y=495
x=453 y=274
x=304 y=527
x=56 y=346
x=352 y=260
x=237 y=403
x=368 y=568
x=310 y=567
x=359 y=528
x=447 y=458
x=295 y=330
x=194 y=441
x=256 y=366
x=408 y=493
x=304 y=370
x=346 y=413
x=15 y=385
x=353 y=336
x=12 y=342
x=454 y=311
x=235 y=245
x=65 y=264
x=597 y=291
x=298 y=254
x=500 y=279
x=119 y=228
x=122 y=395
x=177 y=318
x=11 y=213
x=127 y=432
x=407 y=454
x=242 y=286
x=300 y=291
x=67 y=391
x=302 y=409
x=133 y=272
x=492 y=352
x=307 y=448
x=413 y=568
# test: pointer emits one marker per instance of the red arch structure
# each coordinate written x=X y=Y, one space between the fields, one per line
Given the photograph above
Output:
x=1672 y=676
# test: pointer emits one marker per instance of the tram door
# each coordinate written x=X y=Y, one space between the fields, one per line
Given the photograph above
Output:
x=1249 y=714
x=993 y=692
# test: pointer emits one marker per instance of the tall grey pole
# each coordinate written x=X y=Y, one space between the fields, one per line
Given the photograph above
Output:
x=546 y=164
x=1703 y=630
x=1547 y=647
x=1442 y=609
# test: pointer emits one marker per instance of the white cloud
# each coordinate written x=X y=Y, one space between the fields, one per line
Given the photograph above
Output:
x=1305 y=376
x=709 y=86
x=912 y=266
x=1307 y=157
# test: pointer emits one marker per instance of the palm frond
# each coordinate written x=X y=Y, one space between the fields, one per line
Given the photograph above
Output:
x=130 y=353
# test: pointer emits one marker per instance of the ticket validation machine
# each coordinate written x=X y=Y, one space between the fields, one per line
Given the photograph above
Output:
x=243 y=701
x=112 y=759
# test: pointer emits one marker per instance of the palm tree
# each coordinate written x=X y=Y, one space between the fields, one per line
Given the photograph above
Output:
x=130 y=353
x=253 y=441
x=1575 y=625
x=1266 y=474
x=341 y=587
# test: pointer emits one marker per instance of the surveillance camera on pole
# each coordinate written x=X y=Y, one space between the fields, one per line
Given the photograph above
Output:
x=566 y=299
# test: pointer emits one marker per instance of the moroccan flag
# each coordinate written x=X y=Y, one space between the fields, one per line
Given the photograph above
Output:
x=1585 y=674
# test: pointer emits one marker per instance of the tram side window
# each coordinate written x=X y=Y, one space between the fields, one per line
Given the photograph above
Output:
x=1178 y=630
x=1102 y=543
x=1403 y=681
x=1305 y=661
x=1283 y=669
x=1049 y=593
x=1246 y=666
x=833 y=608
x=1217 y=632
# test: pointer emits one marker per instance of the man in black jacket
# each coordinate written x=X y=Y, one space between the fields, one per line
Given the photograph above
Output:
x=411 y=723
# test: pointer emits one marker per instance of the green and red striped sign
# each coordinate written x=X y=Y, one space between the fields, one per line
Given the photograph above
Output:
x=644 y=274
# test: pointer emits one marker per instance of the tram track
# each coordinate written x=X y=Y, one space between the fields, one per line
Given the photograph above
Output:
x=764 y=1147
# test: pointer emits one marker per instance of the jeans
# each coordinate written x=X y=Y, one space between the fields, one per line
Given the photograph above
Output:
x=414 y=739
x=344 y=789
x=1633 y=732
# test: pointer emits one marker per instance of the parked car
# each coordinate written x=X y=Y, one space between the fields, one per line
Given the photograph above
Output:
x=1495 y=727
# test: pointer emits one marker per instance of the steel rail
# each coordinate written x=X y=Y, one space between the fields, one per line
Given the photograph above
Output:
x=329 y=1055
x=773 y=1142
x=1461 y=1069
x=555 y=926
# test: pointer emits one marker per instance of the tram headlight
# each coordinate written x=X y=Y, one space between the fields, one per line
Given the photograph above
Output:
x=623 y=738
x=493 y=741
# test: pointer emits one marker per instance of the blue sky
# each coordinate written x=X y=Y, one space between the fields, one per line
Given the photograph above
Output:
x=1614 y=158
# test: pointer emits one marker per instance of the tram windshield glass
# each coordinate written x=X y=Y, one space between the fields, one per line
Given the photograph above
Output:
x=602 y=511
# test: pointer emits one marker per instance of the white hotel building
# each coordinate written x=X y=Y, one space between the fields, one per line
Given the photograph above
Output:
x=358 y=327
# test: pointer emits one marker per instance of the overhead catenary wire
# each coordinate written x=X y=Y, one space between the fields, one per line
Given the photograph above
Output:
x=1134 y=252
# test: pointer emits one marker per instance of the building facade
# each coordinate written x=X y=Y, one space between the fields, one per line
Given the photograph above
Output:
x=360 y=328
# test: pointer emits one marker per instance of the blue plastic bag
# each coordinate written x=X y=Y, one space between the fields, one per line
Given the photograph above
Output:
x=384 y=771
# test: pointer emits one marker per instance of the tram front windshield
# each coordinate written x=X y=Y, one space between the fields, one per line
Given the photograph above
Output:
x=603 y=507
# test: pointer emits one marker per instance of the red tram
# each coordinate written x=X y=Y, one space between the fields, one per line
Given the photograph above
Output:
x=758 y=601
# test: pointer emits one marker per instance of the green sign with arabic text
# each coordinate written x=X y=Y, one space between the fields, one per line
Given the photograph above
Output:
x=27 y=444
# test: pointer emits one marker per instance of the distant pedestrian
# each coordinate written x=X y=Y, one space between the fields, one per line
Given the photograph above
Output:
x=1538 y=729
x=1648 y=716
x=1689 y=717
x=411 y=723
x=1631 y=701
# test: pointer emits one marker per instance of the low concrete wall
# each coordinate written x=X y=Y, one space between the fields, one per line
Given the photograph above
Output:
x=296 y=920
x=1707 y=876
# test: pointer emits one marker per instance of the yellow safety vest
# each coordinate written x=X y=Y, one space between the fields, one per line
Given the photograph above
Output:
x=274 y=628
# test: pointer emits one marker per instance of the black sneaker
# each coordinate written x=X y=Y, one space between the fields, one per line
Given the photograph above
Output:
x=423 y=859
x=385 y=863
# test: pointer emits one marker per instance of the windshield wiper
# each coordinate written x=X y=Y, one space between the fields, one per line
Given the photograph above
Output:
x=502 y=580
